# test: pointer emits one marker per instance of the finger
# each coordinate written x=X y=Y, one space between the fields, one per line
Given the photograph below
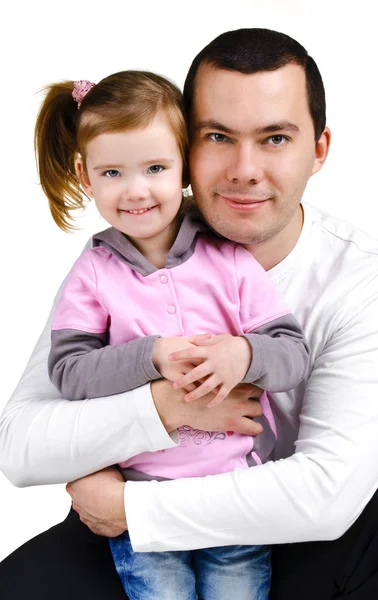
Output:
x=223 y=392
x=188 y=353
x=97 y=528
x=215 y=339
x=189 y=388
x=193 y=375
x=209 y=385
x=249 y=427
x=195 y=362
x=253 y=409
x=87 y=521
x=193 y=339
x=185 y=367
x=249 y=390
x=83 y=514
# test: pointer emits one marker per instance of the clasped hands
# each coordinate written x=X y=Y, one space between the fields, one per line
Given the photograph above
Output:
x=203 y=364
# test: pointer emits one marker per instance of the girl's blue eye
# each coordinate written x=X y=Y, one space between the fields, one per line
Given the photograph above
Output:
x=155 y=169
x=112 y=173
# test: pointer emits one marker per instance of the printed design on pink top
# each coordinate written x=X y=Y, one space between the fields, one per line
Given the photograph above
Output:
x=197 y=436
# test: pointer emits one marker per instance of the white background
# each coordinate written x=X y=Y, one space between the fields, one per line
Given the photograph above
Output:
x=43 y=42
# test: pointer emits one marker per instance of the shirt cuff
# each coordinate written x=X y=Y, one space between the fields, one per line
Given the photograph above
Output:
x=254 y=371
x=149 y=418
x=146 y=359
x=135 y=511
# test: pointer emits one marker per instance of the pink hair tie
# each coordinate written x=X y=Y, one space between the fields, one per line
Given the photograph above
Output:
x=80 y=90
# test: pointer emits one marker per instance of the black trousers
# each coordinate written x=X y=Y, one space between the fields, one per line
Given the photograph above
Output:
x=344 y=568
x=68 y=562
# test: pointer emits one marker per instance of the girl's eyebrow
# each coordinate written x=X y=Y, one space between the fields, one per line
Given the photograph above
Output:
x=150 y=161
x=154 y=161
x=110 y=166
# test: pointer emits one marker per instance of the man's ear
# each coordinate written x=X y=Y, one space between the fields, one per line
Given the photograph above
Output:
x=321 y=150
x=82 y=175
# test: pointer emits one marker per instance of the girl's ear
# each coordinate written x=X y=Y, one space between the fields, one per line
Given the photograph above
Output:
x=82 y=175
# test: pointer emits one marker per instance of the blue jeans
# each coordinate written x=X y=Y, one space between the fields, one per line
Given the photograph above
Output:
x=240 y=572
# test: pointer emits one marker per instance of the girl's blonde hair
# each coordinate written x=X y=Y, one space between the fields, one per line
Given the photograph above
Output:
x=122 y=101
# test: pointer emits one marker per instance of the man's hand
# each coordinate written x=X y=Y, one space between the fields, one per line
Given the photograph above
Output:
x=224 y=361
x=99 y=501
x=235 y=413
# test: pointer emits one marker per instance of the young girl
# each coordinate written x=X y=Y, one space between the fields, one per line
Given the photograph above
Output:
x=154 y=277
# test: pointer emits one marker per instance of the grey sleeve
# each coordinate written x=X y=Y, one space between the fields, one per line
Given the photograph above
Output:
x=81 y=365
x=280 y=355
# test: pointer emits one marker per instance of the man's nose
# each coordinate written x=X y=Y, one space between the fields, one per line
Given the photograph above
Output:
x=245 y=165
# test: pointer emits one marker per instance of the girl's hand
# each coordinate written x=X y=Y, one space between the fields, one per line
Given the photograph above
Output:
x=224 y=361
x=170 y=370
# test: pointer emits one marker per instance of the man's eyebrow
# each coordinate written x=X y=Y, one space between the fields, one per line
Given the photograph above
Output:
x=213 y=124
x=279 y=126
x=272 y=128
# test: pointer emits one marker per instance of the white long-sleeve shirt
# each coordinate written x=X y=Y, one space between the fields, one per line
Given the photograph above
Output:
x=330 y=282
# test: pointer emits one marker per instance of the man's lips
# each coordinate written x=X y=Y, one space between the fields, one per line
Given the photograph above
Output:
x=243 y=204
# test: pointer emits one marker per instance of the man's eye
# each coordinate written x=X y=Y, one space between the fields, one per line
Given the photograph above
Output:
x=112 y=173
x=155 y=169
x=217 y=137
x=278 y=140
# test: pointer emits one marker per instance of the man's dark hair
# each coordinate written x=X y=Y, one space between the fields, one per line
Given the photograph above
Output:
x=253 y=50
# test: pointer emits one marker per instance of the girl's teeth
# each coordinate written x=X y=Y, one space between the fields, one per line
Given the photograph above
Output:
x=138 y=212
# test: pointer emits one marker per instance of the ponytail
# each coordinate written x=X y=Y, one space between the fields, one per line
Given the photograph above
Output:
x=55 y=145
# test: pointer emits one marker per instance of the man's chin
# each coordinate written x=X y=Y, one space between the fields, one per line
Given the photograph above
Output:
x=234 y=234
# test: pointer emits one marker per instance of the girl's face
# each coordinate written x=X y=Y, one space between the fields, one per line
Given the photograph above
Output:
x=135 y=177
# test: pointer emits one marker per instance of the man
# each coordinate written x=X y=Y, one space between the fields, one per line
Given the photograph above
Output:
x=256 y=111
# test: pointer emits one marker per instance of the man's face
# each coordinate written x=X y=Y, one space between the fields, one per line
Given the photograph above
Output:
x=253 y=151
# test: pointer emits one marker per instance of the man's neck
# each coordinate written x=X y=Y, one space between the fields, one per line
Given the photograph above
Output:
x=271 y=252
